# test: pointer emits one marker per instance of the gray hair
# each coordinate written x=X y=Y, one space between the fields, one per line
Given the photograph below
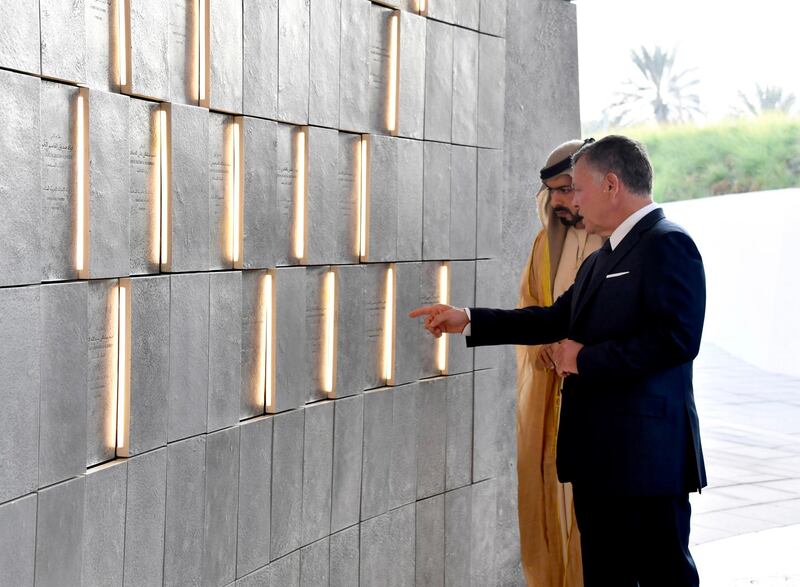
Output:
x=622 y=156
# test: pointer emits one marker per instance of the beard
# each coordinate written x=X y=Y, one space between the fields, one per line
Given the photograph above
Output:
x=572 y=218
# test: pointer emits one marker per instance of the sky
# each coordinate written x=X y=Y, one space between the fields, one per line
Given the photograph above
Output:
x=734 y=44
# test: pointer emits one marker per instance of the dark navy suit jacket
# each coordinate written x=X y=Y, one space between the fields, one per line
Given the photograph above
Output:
x=628 y=420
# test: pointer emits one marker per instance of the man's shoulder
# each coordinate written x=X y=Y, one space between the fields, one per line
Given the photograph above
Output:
x=667 y=236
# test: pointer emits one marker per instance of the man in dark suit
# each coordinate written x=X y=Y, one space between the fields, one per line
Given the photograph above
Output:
x=631 y=324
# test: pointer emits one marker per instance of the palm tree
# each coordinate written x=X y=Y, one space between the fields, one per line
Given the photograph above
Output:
x=664 y=93
x=767 y=99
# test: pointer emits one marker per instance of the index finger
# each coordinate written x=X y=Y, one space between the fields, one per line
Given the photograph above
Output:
x=421 y=311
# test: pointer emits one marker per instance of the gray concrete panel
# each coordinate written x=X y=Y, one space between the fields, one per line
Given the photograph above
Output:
x=226 y=56
x=260 y=207
x=286 y=571
x=430 y=542
x=62 y=399
x=63 y=37
x=325 y=27
x=428 y=294
x=57 y=108
x=59 y=534
x=188 y=355
x=410 y=337
x=315 y=564
x=286 y=177
x=490 y=203
x=20 y=347
x=145 y=511
x=354 y=66
x=402 y=537
x=487 y=295
x=377 y=453
x=436 y=201
x=458 y=518
x=18 y=541
x=100 y=45
x=491 y=91
x=315 y=332
x=350 y=378
x=183 y=47
x=410 y=188
x=373 y=309
x=346 y=207
x=484 y=524
x=183 y=534
x=149 y=49
x=222 y=502
x=460 y=359
x=255 y=492
x=344 y=557
x=411 y=106
x=259 y=578
x=220 y=189
x=260 y=79
x=150 y=373
x=292 y=377
x=317 y=472
x=484 y=432
x=403 y=463
x=467 y=13
x=293 y=60
x=189 y=184
x=438 y=81
x=443 y=10
x=376 y=550
x=347 y=454
x=224 y=349
x=493 y=17
x=104 y=524
x=251 y=399
x=382 y=229
x=458 y=461
x=108 y=246
x=463 y=197
x=431 y=436
x=287 y=483
x=465 y=85
x=20 y=44
x=323 y=216
x=20 y=178
x=379 y=23
x=145 y=194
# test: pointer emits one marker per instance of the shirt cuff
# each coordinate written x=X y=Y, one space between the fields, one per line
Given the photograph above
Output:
x=468 y=328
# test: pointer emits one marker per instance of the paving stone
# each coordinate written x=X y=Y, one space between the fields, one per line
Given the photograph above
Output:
x=220 y=189
x=403 y=463
x=317 y=472
x=411 y=106
x=20 y=47
x=18 y=541
x=376 y=550
x=458 y=523
x=402 y=537
x=489 y=210
x=431 y=437
x=315 y=564
x=430 y=541
x=344 y=557
x=226 y=56
x=293 y=60
x=260 y=78
x=104 y=524
x=291 y=367
x=465 y=84
x=63 y=39
x=463 y=198
x=145 y=187
x=287 y=483
x=252 y=392
x=484 y=433
x=324 y=51
x=59 y=533
x=376 y=453
x=484 y=525
x=410 y=337
x=260 y=249
x=347 y=458
x=410 y=188
x=458 y=471
x=183 y=43
x=436 y=201
x=382 y=229
x=149 y=73
x=491 y=91
x=493 y=17
x=354 y=66
x=460 y=359
x=438 y=81
x=225 y=349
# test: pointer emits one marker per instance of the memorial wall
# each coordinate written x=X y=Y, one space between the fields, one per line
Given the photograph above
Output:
x=215 y=217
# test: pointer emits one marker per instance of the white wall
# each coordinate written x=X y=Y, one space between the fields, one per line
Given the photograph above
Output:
x=752 y=271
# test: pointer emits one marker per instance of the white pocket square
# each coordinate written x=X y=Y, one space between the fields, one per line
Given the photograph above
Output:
x=620 y=274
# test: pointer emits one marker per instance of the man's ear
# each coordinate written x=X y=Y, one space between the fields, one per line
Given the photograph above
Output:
x=611 y=184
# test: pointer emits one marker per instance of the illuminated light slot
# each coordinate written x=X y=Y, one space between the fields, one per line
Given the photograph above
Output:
x=122 y=40
x=300 y=196
x=123 y=366
x=388 y=328
x=363 y=195
x=163 y=156
x=236 y=195
x=441 y=358
x=202 y=51
x=267 y=341
x=329 y=343
x=81 y=183
x=394 y=72
x=422 y=5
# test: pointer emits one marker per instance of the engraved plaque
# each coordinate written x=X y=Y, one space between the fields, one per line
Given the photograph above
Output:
x=411 y=105
x=438 y=81
x=382 y=226
x=183 y=52
x=354 y=66
x=252 y=386
x=292 y=377
x=20 y=180
x=101 y=44
x=149 y=74
x=220 y=188
x=145 y=195
x=293 y=60
x=491 y=91
x=261 y=225
x=493 y=17
x=465 y=86
x=323 y=108
x=63 y=30
x=350 y=341
x=379 y=70
x=410 y=336
x=286 y=178
x=345 y=208
x=410 y=187
x=19 y=44
x=260 y=79
x=462 y=203
x=57 y=105
x=490 y=202
x=462 y=295
x=226 y=56
x=373 y=308
x=323 y=210
x=436 y=202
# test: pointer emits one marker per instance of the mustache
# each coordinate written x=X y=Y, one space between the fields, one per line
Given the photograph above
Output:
x=572 y=219
x=567 y=211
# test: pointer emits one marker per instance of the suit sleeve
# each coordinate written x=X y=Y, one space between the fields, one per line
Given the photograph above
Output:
x=675 y=300
x=528 y=326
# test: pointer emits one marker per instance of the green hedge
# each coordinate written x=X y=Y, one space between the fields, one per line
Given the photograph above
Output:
x=733 y=156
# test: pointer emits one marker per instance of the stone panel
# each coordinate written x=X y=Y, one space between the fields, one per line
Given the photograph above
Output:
x=344 y=557
x=345 y=208
x=490 y=202
x=20 y=43
x=150 y=331
x=377 y=453
x=487 y=295
x=149 y=73
x=260 y=79
x=430 y=542
x=20 y=347
x=438 y=81
x=259 y=578
x=315 y=332
x=261 y=226
x=293 y=60
x=436 y=201
x=411 y=107
x=18 y=541
x=465 y=85
x=379 y=23
x=292 y=378
x=382 y=230
x=317 y=472
x=221 y=504
x=224 y=349
x=255 y=492
x=20 y=177
x=443 y=10
x=145 y=186
x=410 y=336
x=183 y=535
x=220 y=189
x=59 y=533
x=63 y=34
x=347 y=456
x=350 y=328
x=484 y=524
x=354 y=66
x=428 y=294
x=226 y=56
x=62 y=400
x=373 y=309
x=189 y=187
x=325 y=27
x=458 y=470
x=458 y=517
x=251 y=399
x=463 y=197
x=376 y=550
x=287 y=483
x=491 y=91
x=403 y=449
x=467 y=14
x=286 y=177
x=108 y=246
x=484 y=433
x=402 y=529
x=145 y=511
x=323 y=210
x=315 y=564
x=57 y=110
x=493 y=17
x=431 y=436
x=104 y=524
x=460 y=359
x=410 y=187
x=101 y=45
x=183 y=47
x=286 y=571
